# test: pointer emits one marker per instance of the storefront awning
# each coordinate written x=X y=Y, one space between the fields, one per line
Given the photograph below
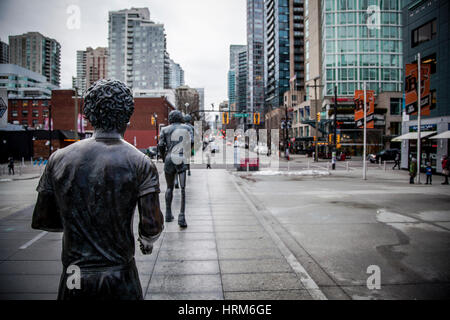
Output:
x=443 y=135
x=413 y=136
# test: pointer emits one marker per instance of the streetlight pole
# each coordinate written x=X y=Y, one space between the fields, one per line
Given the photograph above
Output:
x=365 y=133
x=419 y=116
x=50 y=130
x=76 y=114
x=317 y=123
x=155 y=115
x=335 y=128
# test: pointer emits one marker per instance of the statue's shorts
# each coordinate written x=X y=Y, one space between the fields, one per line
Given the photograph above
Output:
x=171 y=168
x=102 y=283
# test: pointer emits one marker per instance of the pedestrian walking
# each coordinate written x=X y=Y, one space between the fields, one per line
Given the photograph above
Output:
x=445 y=169
x=208 y=157
x=429 y=173
x=397 y=161
x=11 y=166
x=412 y=170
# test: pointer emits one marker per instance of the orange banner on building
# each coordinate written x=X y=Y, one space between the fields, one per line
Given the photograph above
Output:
x=359 y=105
x=411 y=77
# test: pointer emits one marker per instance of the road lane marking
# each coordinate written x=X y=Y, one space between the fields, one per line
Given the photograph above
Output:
x=29 y=243
x=307 y=281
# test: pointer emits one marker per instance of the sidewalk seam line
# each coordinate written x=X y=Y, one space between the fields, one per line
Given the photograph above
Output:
x=309 y=284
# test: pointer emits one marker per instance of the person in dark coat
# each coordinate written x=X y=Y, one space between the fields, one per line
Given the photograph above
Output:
x=412 y=170
x=89 y=191
x=429 y=173
x=11 y=166
x=397 y=161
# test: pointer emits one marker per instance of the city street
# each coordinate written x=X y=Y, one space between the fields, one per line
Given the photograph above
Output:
x=297 y=234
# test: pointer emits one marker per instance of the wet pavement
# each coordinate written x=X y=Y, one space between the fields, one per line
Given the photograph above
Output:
x=263 y=237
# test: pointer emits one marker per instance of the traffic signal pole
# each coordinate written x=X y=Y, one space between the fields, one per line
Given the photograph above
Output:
x=335 y=128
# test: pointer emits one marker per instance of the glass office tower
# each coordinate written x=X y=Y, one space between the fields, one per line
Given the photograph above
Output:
x=255 y=50
x=276 y=52
x=361 y=41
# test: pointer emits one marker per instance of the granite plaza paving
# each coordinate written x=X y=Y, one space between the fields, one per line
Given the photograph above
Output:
x=263 y=236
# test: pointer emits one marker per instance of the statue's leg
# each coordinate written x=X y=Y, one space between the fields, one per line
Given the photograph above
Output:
x=170 y=177
x=176 y=181
x=181 y=217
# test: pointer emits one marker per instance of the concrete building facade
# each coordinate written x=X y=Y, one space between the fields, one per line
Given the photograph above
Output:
x=37 y=53
x=4 y=52
x=426 y=31
x=137 y=49
x=92 y=65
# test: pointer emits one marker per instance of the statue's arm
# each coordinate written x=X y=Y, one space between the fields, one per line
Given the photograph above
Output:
x=46 y=215
x=151 y=221
x=162 y=144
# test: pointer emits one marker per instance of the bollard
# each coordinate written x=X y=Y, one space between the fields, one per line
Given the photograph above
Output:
x=328 y=166
x=348 y=168
x=31 y=161
x=20 y=171
x=384 y=165
x=288 y=166
x=308 y=165
x=23 y=162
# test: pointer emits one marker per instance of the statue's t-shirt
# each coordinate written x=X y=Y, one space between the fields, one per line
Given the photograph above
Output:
x=97 y=183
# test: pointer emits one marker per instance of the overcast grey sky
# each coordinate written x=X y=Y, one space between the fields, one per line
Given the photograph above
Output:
x=199 y=33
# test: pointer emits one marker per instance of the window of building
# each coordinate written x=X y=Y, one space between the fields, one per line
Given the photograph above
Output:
x=35 y=122
x=25 y=113
x=431 y=60
x=35 y=113
x=424 y=33
x=24 y=122
x=35 y=103
x=25 y=103
x=395 y=128
x=396 y=106
x=14 y=114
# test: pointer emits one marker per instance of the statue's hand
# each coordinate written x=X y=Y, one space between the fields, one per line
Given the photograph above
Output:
x=145 y=248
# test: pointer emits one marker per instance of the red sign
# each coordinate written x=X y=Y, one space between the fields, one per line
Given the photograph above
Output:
x=411 y=76
x=370 y=108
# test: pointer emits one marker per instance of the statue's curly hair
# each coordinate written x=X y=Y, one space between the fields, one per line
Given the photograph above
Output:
x=108 y=105
x=176 y=116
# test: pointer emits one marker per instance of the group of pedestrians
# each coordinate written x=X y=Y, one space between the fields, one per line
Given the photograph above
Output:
x=429 y=170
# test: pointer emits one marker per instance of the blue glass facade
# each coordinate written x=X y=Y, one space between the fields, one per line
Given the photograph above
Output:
x=362 y=41
x=276 y=52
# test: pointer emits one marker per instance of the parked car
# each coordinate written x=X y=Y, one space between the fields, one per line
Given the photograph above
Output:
x=384 y=155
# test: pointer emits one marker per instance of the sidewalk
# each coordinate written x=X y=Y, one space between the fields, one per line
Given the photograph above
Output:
x=21 y=172
x=227 y=252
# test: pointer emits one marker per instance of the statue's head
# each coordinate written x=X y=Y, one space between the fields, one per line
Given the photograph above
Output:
x=108 y=105
x=187 y=118
x=175 y=116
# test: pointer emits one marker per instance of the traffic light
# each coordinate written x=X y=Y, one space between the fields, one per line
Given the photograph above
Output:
x=225 y=118
x=256 y=118
x=330 y=138
x=153 y=120
x=338 y=141
x=318 y=116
